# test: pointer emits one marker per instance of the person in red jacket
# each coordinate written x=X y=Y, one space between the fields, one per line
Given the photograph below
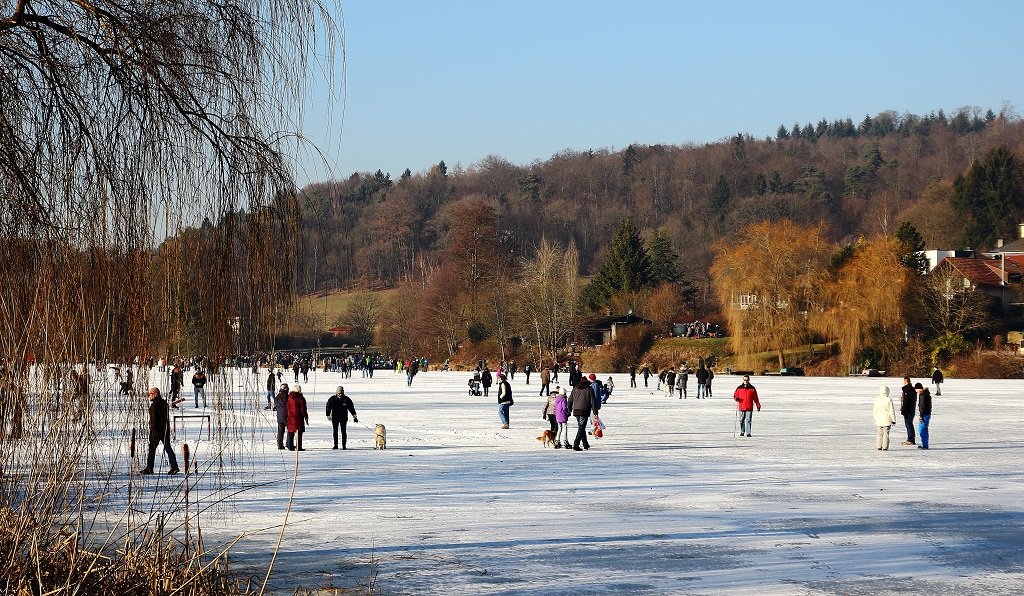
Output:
x=298 y=418
x=746 y=398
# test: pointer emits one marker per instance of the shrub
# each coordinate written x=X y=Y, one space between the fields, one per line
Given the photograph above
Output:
x=948 y=346
x=986 y=365
x=628 y=348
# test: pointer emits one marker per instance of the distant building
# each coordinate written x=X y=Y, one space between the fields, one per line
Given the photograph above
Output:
x=598 y=331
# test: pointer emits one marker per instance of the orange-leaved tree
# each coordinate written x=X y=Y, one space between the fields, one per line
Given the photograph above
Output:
x=864 y=301
x=768 y=280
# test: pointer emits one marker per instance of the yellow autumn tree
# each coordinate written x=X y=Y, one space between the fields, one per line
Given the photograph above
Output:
x=864 y=299
x=768 y=282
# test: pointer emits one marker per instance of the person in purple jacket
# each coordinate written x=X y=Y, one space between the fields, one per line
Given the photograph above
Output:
x=561 y=417
x=281 y=406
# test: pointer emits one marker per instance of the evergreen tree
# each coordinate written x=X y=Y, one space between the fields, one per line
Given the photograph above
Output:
x=664 y=259
x=718 y=203
x=630 y=159
x=912 y=247
x=760 y=186
x=990 y=198
x=625 y=268
x=782 y=133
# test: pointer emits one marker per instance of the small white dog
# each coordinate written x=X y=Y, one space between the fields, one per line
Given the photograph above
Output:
x=381 y=435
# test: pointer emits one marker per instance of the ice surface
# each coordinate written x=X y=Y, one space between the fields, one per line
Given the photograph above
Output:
x=669 y=501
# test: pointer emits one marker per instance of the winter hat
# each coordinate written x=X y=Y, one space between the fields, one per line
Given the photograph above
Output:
x=918 y=386
x=298 y=389
x=592 y=377
x=883 y=391
x=284 y=385
x=340 y=390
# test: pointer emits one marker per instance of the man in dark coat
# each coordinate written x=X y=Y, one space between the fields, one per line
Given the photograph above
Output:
x=159 y=431
x=485 y=380
x=937 y=380
x=908 y=403
x=199 y=386
x=338 y=407
x=581 y=403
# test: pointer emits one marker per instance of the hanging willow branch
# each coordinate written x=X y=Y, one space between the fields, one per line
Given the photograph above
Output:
x=147 y=207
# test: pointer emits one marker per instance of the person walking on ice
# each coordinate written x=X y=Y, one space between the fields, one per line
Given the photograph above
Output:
x=885 y=417
x=746 y=398
x=159 y=432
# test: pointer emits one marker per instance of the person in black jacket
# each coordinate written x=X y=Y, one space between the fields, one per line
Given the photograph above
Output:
x=702 y=382
x=338 y=407
x=199 y=386
x=908 y=403
x=485 y=380
x=937 y=380
x=271 y=385
x=924 y=409
x=159 y=431
x=581 y=404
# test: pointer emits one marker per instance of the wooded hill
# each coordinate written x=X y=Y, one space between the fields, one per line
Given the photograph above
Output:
x=371 y=231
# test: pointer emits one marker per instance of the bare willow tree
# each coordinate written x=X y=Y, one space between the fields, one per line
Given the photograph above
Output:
x=147 y=205
x=548 y=296
x=768 y=283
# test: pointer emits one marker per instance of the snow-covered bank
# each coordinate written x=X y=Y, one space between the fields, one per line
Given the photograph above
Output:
x=669 y=501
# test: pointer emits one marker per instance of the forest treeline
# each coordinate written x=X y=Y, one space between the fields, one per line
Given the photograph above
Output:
x=853 y=179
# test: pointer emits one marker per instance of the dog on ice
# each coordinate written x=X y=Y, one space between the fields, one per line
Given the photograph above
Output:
x=546 y=437
x=381 y=435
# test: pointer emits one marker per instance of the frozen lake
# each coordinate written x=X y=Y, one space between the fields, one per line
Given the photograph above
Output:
x=669 y=501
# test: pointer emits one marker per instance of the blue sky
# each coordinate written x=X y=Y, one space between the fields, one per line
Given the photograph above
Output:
x=460 y=80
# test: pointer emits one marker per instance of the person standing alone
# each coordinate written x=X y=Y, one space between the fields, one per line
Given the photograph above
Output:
x=199 y=386
x=885 y=417
x=338 y=408
x=937 y=380
x=746 y=398
x=504 y=400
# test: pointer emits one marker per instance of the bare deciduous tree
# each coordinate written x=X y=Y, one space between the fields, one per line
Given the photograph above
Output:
x=549 y=295
x=942 y=304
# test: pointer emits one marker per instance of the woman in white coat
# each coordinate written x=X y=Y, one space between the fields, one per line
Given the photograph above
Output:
x=885 y=417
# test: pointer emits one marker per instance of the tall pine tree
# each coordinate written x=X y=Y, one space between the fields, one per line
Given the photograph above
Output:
x=625 y=268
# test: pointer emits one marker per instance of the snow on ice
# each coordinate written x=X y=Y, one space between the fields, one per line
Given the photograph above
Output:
x=670 y=500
